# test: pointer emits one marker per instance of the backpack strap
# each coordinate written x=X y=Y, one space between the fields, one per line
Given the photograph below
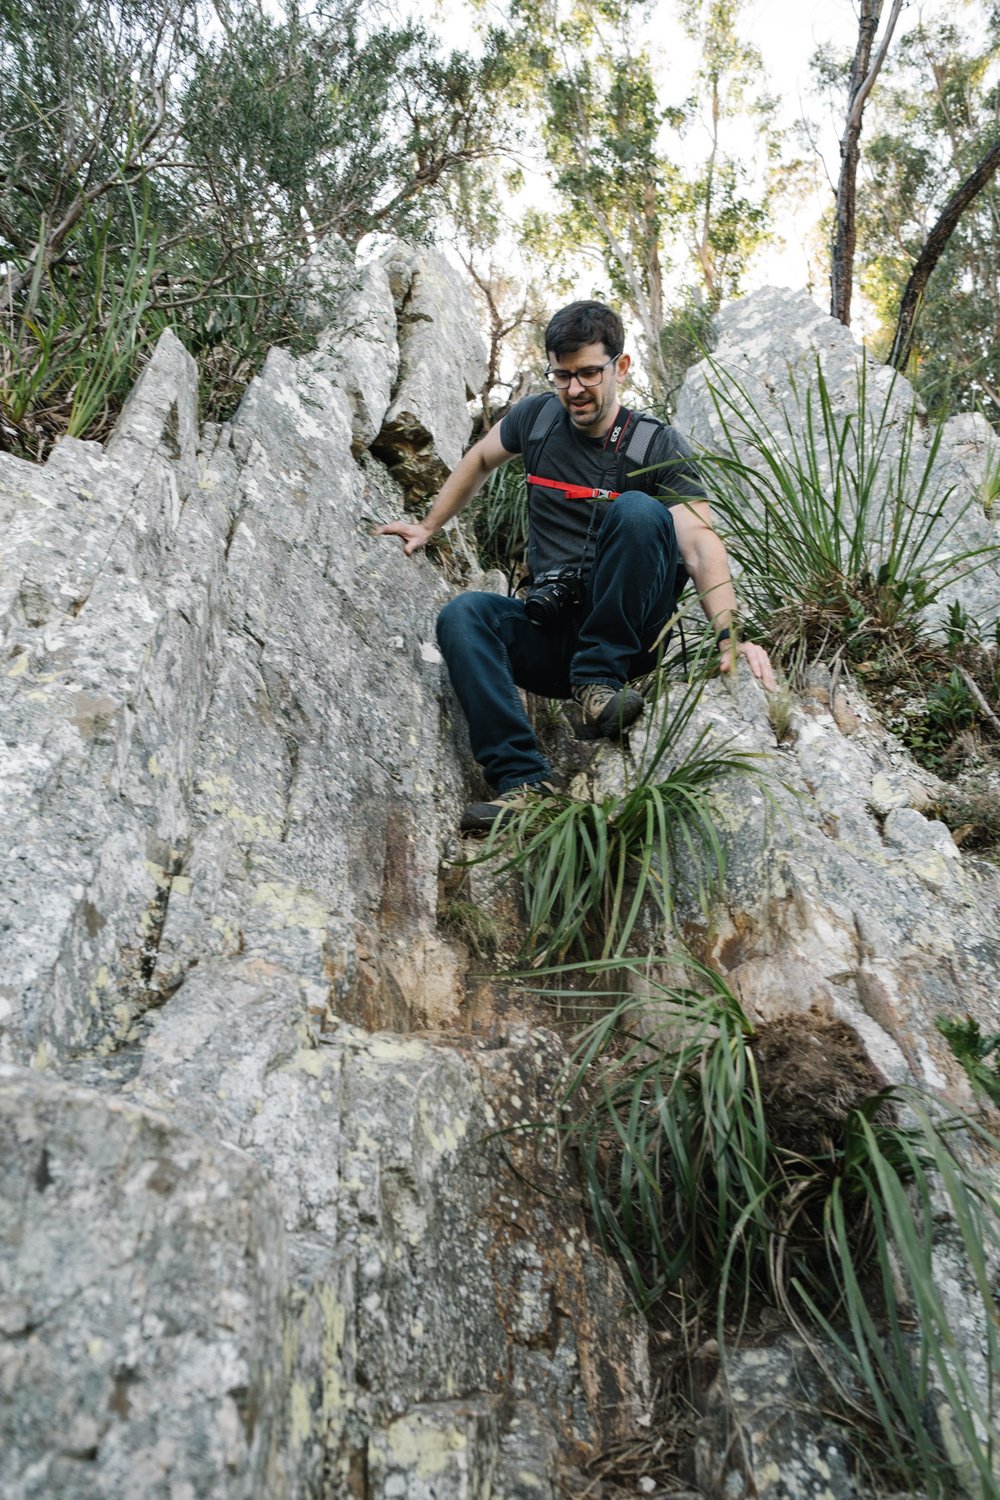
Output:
x=546 y=417
x=636 y=449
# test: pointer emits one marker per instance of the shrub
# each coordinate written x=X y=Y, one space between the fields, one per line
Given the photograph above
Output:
x=837 y=530
x=745 y=1164
x=499 y=516
x=588 y=867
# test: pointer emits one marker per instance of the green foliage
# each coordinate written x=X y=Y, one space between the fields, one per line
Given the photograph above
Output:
x=473 y=925
x=699 y=1183
x=68 y=360
x=838 y=533
x=685 y=337
x=933 y=116
x=155 y=170
x=623 y=200
x=589 y=868
x=499 y=516
x=940 y=707
x=930 y=732
x=979 y=1055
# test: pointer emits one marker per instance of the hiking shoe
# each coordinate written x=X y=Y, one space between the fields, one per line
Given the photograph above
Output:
x=483 y=817
x=607 y=711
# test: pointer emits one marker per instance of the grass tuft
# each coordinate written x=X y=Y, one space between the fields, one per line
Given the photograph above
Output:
x=834 y=521
x=745 y=1166
x=590 y=869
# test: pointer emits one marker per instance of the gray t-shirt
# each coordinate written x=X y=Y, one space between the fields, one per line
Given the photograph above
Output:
x=561 y=531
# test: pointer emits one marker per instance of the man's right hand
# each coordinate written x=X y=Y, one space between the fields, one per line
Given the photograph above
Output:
x=415 y=535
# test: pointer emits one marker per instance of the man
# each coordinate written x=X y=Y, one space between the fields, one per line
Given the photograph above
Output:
x=606 y=571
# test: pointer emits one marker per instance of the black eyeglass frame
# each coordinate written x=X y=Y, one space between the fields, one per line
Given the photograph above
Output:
x=563 y=379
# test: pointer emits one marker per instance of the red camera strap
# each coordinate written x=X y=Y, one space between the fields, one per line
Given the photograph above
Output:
x=574 y=491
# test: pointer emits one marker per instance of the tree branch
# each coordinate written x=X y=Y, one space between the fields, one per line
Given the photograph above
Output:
x=934 y=248
x=862 y=80
x=48 y=248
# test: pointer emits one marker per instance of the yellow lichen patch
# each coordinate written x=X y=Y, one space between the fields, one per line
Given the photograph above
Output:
x=301 y=1416
x=307 y=1060
x=394 y=1049
x=153 y=766
x=101 y=985
x=218 y=793
x=935 y=868
x=334 y=1329
x=295 y=907
x=730 y=812
x=451 y=1132
x=424 y=1451
x=20 y=666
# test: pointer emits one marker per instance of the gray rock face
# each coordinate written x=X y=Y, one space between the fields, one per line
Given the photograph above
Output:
x=441 y=364
x=278 y=1254
x=140 y=1319
x=769 y=346
x=359 y=353
x=839 y=889
x=763 y=1434
x=268 y=1227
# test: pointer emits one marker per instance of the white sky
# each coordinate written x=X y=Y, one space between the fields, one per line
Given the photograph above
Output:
x=787 y=33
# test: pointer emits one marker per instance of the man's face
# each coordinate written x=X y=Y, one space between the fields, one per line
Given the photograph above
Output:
x=591 y=408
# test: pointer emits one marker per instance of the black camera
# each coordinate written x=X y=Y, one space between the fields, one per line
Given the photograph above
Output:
x=551 y=593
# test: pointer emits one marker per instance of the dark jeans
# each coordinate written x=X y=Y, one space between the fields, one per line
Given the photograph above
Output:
x=492 y=648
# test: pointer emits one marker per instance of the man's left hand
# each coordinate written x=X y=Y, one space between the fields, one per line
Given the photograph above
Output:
x=755 y=657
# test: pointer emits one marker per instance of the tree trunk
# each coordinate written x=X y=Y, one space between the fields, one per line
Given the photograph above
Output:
x=863 y=75
x=934 y=248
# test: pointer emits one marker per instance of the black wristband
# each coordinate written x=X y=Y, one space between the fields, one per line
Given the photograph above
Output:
x=723 y=635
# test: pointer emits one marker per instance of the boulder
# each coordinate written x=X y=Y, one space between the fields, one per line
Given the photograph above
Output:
x=441 y=365
x=228 y=806
x=142 y=1279
x=769 y=347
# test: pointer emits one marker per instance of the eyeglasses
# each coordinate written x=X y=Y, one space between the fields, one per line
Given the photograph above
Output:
x=589 y=375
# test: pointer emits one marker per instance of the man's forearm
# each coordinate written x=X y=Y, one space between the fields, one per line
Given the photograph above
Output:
x=710 y=572
x=464 y=481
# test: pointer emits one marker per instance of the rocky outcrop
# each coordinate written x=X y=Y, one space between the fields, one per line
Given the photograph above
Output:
x=268 y=1225
x=257 y=1238
x=855 y=895
x=768 y=349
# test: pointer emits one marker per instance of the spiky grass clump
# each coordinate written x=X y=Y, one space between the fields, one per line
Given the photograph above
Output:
x=837 y=529
x=499 y=516
x=719 y=1160
x=589 y=869
x=69 y=353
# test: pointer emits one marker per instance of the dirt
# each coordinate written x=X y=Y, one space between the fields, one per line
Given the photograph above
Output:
x=813 y=1071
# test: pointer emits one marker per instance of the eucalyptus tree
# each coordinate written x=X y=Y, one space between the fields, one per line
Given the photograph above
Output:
x=727 y=216
x=660 y=214
x=929 y=210
x=600 y=125
x=864 y=69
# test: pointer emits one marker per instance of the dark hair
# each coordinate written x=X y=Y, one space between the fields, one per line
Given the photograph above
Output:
x=584 y=323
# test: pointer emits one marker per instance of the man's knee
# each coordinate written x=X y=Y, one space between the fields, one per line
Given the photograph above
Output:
x=468 y=615
x=637 y=509
x=642 y=519
x=463 y=610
